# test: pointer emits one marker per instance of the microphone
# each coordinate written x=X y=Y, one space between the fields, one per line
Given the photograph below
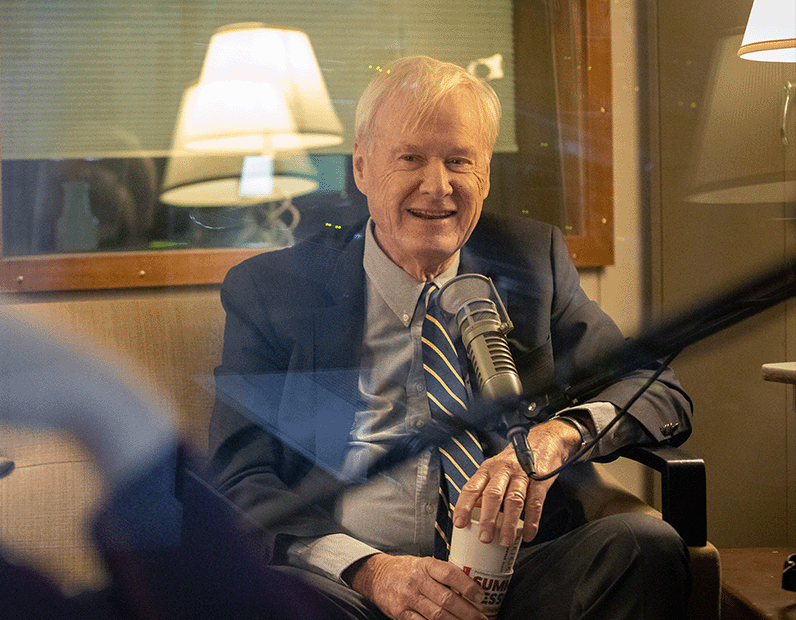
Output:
x=483 y=323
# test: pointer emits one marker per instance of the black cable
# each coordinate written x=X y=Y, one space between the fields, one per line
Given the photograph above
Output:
x=588 y=446
x=235 y=223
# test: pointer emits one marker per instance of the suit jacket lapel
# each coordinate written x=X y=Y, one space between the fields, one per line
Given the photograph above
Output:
x=338 y=327
x=337 y=331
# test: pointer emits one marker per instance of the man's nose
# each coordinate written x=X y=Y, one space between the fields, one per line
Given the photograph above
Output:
x=436 y=179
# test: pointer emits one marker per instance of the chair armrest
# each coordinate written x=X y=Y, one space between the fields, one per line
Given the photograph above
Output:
x=683 y=489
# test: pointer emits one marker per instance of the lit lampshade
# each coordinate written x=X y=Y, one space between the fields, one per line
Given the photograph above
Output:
x=770 y=32
x=268 y=58
x=217 y=180
x=232 y=116
x=745 y=146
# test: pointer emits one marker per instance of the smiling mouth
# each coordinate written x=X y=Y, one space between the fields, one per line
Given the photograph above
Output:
x=432 y=215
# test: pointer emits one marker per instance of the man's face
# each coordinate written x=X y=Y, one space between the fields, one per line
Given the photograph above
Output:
x=425 y=185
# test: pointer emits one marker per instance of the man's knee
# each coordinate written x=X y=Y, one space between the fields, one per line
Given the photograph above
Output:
x=649 y=546
x=640 y=570
x=653 y=537
x=623 y=566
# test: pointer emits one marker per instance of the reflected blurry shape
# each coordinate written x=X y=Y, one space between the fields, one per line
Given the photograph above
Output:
x=6 y=466
x=281 y=403
x=770 y=32
x=743 y=154
x=494 y=65
x=77 y=228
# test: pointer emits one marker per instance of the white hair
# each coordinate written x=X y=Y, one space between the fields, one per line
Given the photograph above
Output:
x=423 y=83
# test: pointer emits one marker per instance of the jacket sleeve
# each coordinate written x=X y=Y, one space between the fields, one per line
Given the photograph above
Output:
x=271 y=481
x=562 y=340
x=584 y=338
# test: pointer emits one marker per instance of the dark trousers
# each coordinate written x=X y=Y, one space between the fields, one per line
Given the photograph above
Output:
x=628 y=566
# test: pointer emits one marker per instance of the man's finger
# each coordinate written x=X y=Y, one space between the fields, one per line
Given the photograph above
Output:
x=469 y=497
x=443 y=603
x=513 y=505
x=454 y=578
x=534 y=501
x=491 y=502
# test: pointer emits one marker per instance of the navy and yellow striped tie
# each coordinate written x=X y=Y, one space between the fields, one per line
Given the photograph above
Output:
x=447 y=396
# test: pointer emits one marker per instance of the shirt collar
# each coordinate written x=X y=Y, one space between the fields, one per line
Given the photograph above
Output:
x=398 y=289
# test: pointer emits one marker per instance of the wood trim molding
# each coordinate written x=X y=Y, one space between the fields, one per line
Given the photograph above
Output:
x=596 y=246
x=107 y=270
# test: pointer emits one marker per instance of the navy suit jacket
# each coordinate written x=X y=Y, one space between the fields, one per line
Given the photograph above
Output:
x=287 y=386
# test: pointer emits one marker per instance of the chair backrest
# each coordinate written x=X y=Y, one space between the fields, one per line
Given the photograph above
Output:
x=173 y=341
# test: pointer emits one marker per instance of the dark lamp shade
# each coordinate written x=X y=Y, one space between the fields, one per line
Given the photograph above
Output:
x=745 y=149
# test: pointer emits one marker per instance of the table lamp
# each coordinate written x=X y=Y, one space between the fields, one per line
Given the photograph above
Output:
x=770 y=32
x=243 y=129
x=260 y=88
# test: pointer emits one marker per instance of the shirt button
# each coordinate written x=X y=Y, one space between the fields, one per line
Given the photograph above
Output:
x=430 y=508
x=405 y=317
x=419 y=388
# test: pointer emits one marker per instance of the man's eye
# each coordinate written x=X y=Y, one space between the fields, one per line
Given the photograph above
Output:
x=409 y=158
x=459 y=161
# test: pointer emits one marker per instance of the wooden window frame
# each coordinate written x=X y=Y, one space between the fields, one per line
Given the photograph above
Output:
x=581 y=45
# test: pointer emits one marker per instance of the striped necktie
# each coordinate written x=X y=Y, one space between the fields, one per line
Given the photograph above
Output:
x=447 y=397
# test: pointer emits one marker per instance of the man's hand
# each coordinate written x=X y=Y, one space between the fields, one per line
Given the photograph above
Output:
x=409 y=588
x=500 y=481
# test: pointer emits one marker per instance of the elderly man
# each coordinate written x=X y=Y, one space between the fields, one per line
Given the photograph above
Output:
x=330 y=331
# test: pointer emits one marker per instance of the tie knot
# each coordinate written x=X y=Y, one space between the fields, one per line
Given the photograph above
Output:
x=430 y=294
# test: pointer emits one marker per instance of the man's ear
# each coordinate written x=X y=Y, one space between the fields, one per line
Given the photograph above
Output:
x=359 y=168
